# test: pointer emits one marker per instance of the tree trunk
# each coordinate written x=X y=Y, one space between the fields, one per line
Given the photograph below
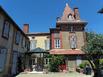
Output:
x=97 y=69
x=91 y=64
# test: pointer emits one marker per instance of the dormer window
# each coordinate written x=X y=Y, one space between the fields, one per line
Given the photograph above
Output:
x=70 y=17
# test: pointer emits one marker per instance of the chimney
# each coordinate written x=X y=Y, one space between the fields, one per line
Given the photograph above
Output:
x=26 y=28
x=76 y=14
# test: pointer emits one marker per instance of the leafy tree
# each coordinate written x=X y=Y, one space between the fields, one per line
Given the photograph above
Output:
x=56 y=60
x=94 y=51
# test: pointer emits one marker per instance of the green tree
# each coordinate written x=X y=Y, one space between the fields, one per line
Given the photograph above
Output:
x=94 y=51
x=56 y=60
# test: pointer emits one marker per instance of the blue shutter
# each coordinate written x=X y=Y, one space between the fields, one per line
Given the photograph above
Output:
x=3 y=54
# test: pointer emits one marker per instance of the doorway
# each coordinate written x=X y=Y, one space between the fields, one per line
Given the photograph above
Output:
x=39 y=64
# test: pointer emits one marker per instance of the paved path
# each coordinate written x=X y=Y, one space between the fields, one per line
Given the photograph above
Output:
x=53 y=75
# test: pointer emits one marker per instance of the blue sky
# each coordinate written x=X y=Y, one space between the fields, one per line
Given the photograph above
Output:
x=41 y=14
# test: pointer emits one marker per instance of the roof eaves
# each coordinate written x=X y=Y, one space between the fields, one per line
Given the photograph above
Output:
x=13 y=22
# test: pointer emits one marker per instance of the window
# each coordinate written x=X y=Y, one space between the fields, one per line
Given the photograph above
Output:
x=57 y=43
x=73 y=41
x=21 y=41
x=70 y=17
x=6 y=29
x=25 y=43
x=33 y=44
x=17 y=38
x=3 y=54
x=47 y=44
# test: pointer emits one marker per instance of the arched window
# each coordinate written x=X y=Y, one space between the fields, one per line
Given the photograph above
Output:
x=70 y=17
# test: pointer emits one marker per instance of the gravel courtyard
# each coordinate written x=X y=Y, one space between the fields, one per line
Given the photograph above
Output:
x=74 y=74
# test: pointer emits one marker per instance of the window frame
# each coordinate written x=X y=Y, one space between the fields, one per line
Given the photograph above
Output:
x=57 y=43
x=17 y=37
x=22 y=41
x=4 y=34
x=33 y=44
x=70 y=17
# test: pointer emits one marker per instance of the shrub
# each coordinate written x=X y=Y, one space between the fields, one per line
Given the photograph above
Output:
x=55 y=62
x=82 y=65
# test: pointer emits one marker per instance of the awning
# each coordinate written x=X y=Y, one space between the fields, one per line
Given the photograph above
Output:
x=66 y=51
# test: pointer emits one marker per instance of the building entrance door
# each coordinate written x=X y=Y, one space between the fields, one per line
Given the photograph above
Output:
x=71 y=65
x=39 y=66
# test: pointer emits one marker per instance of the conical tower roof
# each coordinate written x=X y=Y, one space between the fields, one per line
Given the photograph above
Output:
x=67 y=11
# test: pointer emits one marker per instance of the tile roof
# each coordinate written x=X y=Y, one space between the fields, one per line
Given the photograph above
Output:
x=66 y=51
x=38 y=33
x=13 y=22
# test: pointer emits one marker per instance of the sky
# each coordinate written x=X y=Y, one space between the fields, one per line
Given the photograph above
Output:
x=41 y=14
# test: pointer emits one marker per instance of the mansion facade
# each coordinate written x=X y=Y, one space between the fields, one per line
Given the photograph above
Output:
x=21 y=49
x=67 y=39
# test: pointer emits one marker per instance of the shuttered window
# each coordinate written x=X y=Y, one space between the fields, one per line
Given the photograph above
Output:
x=3 y=55
x=17 y=37
x=47 y=44
x=33 y=44
x=6 y=29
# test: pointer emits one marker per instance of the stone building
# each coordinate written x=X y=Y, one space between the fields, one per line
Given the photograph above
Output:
x=39 y=47
x=13 y=44
x=68 y=37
